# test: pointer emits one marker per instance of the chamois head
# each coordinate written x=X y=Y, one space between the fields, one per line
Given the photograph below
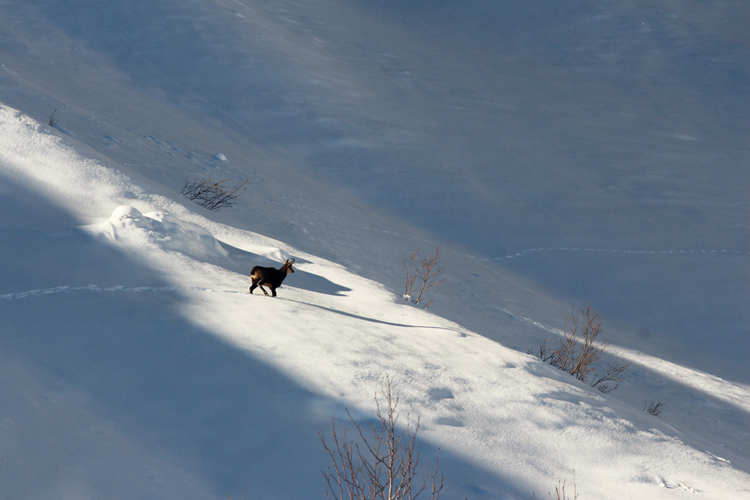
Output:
x=287 y=267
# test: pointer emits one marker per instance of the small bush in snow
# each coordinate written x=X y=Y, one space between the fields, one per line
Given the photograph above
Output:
x=211 y=194
x=560 y=492
x=52 y=120
x=654 y=408
x=422 y=272
x=579 y=356
x=378 y=467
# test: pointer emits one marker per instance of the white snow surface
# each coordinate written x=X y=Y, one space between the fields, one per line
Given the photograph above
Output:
x=558 y=154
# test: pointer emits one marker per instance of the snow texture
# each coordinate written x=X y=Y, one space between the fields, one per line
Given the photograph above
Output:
x=559 y=154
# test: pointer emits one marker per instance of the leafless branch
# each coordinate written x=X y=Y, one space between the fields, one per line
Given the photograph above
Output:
x=560 y=492
x=410 y=276
x=654 y=408
x=423 y=271
x=579 y=354
x=383 y=466
x=211 y=194
x=614 y=375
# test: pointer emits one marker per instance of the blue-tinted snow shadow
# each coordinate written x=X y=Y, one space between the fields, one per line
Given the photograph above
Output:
x=86 y=25
x=182 y=395
x=314 y=283
x=247 y=86
x=370 y=320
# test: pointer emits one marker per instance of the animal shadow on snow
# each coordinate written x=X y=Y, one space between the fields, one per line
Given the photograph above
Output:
x=242 y=262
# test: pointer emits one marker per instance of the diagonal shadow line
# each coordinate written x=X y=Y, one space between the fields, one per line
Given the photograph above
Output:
x=365 y=318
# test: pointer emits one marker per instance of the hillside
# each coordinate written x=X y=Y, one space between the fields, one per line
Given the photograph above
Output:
x=558 y=156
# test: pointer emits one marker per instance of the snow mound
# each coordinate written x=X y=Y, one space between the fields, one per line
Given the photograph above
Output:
x=165 y=231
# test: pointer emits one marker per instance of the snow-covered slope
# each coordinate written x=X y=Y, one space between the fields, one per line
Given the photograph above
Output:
x=557 y=155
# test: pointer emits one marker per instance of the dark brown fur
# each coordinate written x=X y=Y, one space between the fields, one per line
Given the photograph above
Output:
x=269 y=277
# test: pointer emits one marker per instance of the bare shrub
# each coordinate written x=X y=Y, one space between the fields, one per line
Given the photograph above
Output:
x=244 y=494
x=52 y=120
x=211 y=194
x=654 y=408
x=560 y=492
x=423 y=272
x=610 y=380
x=579 y=355
x=383 y=466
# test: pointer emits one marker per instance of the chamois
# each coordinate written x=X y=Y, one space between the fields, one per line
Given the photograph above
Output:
x=269 y=277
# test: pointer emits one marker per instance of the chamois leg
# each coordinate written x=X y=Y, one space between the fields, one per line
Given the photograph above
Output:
x=256 y=283
x=263 y=285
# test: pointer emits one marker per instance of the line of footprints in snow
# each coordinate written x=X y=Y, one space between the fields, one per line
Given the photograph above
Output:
x=97 y=288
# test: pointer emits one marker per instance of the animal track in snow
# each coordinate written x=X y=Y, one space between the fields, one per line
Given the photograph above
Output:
x=529 y=251
x=438 y=393
x=116 y=288
x=451 y=422
x=524 y=253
